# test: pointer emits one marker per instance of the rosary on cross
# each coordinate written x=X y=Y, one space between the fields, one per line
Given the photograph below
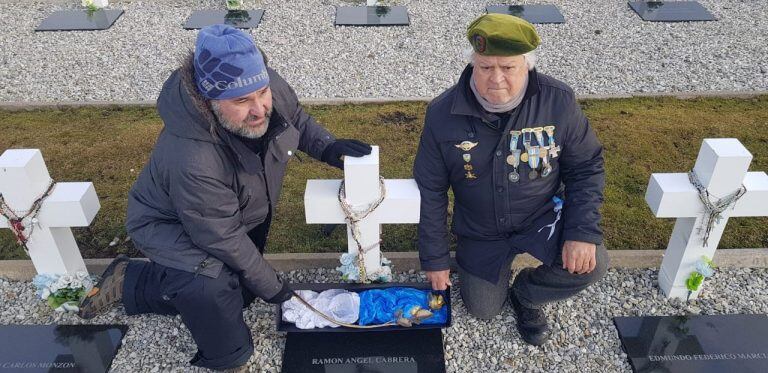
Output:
x=17 y=222
x=353 y=217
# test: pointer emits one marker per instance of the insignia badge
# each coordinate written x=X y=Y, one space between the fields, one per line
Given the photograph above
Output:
x=467 y=157
x=466 y=146
x=479 y=44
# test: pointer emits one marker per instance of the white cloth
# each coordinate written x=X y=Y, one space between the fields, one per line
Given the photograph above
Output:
x=341 y=305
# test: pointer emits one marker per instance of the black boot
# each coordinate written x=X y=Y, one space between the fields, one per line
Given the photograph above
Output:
x=531 y=322
x=107 y=292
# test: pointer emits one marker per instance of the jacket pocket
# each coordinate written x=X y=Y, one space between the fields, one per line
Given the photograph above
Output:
x=285 y=144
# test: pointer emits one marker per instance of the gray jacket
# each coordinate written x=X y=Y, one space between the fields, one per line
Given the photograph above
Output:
x=203 y=190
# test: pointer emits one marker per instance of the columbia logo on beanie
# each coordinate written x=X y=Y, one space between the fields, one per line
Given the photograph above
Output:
x=227 y=63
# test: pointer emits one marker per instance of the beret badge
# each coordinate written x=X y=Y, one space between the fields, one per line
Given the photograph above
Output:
x=479 y=42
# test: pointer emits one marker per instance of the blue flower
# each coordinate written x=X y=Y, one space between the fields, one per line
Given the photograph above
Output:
x=348 y=259
x=704 y=269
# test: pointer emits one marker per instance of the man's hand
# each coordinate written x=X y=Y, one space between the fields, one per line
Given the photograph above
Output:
x=353 y=148
x=579 y=257
x=440 y=279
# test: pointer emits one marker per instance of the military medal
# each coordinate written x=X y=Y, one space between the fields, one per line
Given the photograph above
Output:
x=514 y=176
x=547 y=167
x=539 y=133
x=515 y=136
x=526 y=144
x=468 y=167
x=466 y=146
x=553 y=148
x=533 y=161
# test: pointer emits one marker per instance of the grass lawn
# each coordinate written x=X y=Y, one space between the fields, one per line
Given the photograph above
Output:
x=641 y=135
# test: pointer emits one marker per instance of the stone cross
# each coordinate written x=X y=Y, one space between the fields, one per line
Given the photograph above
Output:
x=721 y=167
x=372 y=2
x=23 y=179
x=361 y=183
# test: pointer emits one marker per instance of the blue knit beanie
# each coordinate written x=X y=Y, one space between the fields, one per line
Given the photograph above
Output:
x=227 y=63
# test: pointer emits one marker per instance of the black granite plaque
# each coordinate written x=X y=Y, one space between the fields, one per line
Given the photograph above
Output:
x=671 y=11
x=234 y=18
x=59 y=348
x=80 y=20
x=695 y=344
x=402 y=351
x=372 y=16
x=537 y=13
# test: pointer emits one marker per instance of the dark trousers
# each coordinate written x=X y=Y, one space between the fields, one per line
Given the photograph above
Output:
x=211 y=308
x=535 y=288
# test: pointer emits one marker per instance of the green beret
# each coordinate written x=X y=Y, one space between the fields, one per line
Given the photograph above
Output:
x=496 y=34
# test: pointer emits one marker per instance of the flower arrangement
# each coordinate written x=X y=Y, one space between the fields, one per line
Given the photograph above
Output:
x=704 y=268
x=94 y=5
x=350 y=272
x=234 y=4
x=64 y=292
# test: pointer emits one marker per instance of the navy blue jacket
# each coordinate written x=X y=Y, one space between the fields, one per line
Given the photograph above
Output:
x=490 y=207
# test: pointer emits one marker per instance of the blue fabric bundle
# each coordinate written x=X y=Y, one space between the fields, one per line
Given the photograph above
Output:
x=378 y=306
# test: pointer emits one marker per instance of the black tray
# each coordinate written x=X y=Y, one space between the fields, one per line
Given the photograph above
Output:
x=290 y=327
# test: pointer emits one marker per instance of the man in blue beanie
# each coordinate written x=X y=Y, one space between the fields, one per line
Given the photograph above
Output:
x=201 y=208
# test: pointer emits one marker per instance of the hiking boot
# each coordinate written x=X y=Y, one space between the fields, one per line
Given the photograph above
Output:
x=107 y=292
x=531 y=322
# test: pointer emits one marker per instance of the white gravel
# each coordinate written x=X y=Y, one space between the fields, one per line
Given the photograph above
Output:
x=603 y=48
x=584 y=338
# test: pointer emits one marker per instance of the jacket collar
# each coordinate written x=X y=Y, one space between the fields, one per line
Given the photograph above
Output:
x=250 y=161
x=465 y=103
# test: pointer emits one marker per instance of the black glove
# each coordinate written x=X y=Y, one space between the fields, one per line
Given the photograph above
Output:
x=283 y=295
x=353 y=148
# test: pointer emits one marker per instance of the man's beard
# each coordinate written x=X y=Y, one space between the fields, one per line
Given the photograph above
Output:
x=242 y=129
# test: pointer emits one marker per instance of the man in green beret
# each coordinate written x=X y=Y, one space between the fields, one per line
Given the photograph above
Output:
x=527 y=174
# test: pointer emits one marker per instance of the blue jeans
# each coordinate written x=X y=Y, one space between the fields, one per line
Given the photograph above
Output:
x=211 y=308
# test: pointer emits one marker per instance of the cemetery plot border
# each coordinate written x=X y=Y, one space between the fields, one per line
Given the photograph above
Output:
x=671 y=11
x=694 y=343
x=289 y=327
x=533 y=13
x=243 y=19
x=372 y=16
x=80 y=20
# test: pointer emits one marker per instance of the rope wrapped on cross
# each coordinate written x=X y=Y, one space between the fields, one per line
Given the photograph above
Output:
x=16 y=220
x=353 y=217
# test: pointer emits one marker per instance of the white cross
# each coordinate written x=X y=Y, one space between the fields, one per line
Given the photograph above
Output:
x=721 y=167
x=23 y=179
x=361 y=184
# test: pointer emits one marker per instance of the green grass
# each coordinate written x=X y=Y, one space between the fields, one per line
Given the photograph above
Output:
x=109 y=146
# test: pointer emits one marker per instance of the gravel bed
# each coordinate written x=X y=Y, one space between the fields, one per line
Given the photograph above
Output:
x=584 y=339
x=603 y=48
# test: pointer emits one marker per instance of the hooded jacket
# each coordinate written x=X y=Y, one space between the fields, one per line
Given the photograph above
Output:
x=203 y=189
